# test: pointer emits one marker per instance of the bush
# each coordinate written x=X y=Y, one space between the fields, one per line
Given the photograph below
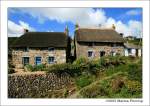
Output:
x=83 y=81
x=80 y=61
x=40 y=67
x=31 y=68
x=135 y=72
x=117 y=84
x=134 y=86
x=71 y=69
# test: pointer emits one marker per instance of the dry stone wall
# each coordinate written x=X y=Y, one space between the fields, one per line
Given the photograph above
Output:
x=35 y=84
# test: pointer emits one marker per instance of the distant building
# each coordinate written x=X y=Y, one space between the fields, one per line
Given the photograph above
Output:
x=132 y=50
x=130 y=38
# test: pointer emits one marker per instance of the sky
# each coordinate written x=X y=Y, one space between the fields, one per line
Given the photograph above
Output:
x=127 y=20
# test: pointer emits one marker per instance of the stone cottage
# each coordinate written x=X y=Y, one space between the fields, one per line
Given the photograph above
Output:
x=40 y=48
x=133 y=50
x=98 y=42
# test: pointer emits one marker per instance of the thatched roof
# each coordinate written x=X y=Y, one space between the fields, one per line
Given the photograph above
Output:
x=97 y=35
x=41 y=39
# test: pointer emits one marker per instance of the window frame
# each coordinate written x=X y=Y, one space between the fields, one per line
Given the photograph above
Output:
x=91 y=52
x=36 y=60
x=23 y=61
x=51 y=62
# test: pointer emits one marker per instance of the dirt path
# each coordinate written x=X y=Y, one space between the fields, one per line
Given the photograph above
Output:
x=75 y=95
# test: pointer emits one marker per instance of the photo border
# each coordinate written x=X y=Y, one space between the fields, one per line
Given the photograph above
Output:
x=93 y=4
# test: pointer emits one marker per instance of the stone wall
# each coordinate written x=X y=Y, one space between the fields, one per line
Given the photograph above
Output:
x=83 y=48
x=17 y=55
x=35 y=84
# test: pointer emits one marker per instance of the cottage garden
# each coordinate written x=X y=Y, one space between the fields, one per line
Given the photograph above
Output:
x=107 y=77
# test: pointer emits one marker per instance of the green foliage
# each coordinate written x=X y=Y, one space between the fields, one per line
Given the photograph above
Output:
x=80 y=61
x=71 y=69
x=84 y=80
x=134 y=86
x=31 y=68
x=135 y=72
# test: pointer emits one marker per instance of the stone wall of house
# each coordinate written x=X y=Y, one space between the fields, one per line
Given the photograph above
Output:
x=83 y=48
x=17 y=56
x=36 y=84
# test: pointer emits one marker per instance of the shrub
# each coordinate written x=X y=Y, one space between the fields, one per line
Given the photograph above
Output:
x=31 y=68
x=134 y=86
x=71 y=69
x=40 y=67
x=135 y=72
x=117 y=84
x=83 y=81
x=80 y=61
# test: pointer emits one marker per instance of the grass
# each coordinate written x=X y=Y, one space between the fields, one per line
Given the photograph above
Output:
x=108 y=77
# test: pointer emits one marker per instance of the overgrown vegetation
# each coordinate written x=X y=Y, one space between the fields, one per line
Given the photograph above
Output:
x=107 y=77
x=31 y=68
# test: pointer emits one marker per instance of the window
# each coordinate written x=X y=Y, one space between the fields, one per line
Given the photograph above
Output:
x=90 y=53
x=51 y=49
x=38 y=60
x=50 y=60
x=102 y=53
x=129 y=51
x=113 y=53
x=26 y=49
x=25 y=60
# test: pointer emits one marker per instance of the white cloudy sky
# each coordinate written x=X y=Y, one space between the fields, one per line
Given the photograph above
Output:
x=127 y=21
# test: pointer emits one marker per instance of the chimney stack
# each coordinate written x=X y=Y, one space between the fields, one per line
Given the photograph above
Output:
x=76 y=26
x=66 y=30
x=113 y=26
x=121 y=34
x=26 y=30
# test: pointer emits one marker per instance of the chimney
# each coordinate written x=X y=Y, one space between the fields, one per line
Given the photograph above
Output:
x=66 y=30
x=121 y=34
x=76 y=26
x=26 y=30
x=113 y=26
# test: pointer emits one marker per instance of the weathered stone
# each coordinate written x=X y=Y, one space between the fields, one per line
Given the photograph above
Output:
x=17 y=56
x=83 y=48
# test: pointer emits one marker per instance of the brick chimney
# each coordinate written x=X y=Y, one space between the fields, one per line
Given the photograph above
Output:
x=66 y=30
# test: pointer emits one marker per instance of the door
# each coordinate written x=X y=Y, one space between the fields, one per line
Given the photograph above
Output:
x=38 y=60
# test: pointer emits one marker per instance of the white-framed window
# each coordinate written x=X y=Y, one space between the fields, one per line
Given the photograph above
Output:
x=90 y=53
x=51 y=59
